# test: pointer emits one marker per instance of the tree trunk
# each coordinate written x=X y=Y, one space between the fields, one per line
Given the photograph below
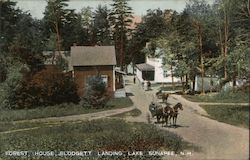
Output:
x=182 y=84
x=234 y=81
x=193 y=89
x=121 y=53
x=202 y=76
x=186 y=80
x=225 y=47
x=201 y=59
x=58 y=43
x=172 y=76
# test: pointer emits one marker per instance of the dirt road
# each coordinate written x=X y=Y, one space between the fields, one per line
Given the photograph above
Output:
x=217 y=140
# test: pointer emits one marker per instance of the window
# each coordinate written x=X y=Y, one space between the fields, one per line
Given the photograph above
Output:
x=103 y=77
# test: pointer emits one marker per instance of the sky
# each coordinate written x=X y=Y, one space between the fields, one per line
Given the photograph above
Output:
x=140 y=7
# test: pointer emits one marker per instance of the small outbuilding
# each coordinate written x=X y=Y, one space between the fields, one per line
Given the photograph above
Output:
x=145 y=72
x=89 y=61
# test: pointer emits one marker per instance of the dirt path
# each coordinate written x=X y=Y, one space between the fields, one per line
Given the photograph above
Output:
x=82 y=117
x=217 y=140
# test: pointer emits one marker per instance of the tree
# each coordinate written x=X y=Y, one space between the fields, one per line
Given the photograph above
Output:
x=121 y=18
x=9 y=17
x=175 y=53
x=55 y=17
x=71 y=30
x=102 y=28
x=28 y=47
x=87 y=25
x=21 y=49
x=153 y=25
x=224 y=10
x=188 y=46
x=238 y=59
x=198 y=12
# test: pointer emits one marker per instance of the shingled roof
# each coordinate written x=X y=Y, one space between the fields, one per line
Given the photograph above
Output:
x=92 y=55
x=145 y=67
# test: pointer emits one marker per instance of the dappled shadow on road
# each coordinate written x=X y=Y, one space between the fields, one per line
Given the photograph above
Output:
x=160 y=122
x=175 y=126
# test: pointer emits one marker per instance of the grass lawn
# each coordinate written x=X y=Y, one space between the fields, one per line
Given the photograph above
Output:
x=224 y=97
x=8 y=126
x=235 y=115
x=97 y=135
x=59 y=110
x=167 y=87
x=170 y=88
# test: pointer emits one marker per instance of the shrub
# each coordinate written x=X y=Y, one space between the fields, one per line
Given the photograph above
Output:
x=49 y=86
x=96 y=94
x=11 y=84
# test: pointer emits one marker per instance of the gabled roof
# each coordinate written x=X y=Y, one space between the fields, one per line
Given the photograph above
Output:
x=145 y=67
x=92 y=55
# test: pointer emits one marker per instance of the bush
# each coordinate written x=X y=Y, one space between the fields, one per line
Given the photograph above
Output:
x=11 y=84
x=49 y=86
x=96 y=94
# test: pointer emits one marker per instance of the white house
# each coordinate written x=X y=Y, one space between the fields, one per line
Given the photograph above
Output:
x=154 y=71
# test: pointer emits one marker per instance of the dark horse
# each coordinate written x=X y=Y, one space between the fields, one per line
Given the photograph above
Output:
x=174 y=112
x=163 y=96
x=167 y=112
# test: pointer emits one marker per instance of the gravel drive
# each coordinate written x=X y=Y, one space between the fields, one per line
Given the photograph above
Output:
x=217 y=140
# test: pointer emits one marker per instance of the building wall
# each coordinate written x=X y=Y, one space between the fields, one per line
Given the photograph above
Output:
x=139 y=75
x=208 y=85
x=81 y=74
x=159 y=71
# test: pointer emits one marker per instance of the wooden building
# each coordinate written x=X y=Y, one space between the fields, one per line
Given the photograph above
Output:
x=154 y=71
x=89 y=61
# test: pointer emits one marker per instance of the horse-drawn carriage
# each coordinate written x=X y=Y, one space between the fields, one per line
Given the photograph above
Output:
x=165 y=113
